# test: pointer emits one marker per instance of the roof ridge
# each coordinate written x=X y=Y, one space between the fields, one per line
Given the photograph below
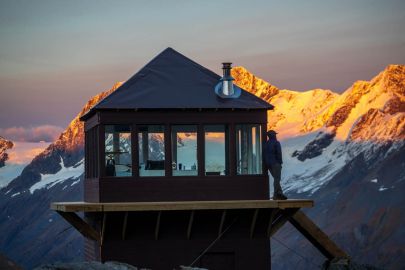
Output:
x=202 y=68
x=136 y=76
x=166 y=81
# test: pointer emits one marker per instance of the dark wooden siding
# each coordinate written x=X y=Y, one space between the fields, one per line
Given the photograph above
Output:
x=91 y=151
x=170 y=254
x=173 y=244
x=184 y=117
x=91 y=190
x=182 y=188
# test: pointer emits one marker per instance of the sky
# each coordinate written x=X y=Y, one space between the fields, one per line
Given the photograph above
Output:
x=55 y=55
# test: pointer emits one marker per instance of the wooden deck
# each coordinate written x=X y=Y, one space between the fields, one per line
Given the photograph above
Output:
x=181 y=205
x=275 y=212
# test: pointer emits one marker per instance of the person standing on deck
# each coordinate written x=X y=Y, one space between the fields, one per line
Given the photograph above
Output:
x=274 y=160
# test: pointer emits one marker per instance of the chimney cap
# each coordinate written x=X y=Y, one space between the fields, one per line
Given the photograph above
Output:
x=225 y=88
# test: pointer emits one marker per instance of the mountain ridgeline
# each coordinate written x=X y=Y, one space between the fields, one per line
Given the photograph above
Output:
x=345 y=151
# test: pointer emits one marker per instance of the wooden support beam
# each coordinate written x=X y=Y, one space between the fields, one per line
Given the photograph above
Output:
x=273 y=214
x=124 y=225
x=103 y=228
x=157 y=225
x=190 y=224
x=221 y=224
x=316 y=236
x=281 y=220
x=253 y=225
x=80 y=225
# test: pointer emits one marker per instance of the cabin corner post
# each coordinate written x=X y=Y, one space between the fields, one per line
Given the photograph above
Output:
x=200 y=150
x=101 y=147
x=168 y=141
x=134 y=150
x=232 y=150
x=264 y=139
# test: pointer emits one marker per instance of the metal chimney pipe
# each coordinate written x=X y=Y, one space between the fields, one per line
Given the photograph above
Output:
x=227 y=85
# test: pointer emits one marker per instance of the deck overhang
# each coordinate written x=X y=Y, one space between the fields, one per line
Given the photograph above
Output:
x=182 y=205
x=275 y=212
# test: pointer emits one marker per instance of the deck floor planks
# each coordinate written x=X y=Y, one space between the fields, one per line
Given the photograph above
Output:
x=180 y=205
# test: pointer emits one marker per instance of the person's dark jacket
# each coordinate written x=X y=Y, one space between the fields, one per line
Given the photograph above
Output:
x=272 y=152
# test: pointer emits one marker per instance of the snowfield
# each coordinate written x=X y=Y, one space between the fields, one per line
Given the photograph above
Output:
x=309 y=175
x=65 y=173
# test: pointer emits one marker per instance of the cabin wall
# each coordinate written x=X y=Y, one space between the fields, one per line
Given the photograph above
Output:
x=170 y=254
x=176 y=189
x=91 y=190
x=185 y=189
x=100 y=188
x=168 y=239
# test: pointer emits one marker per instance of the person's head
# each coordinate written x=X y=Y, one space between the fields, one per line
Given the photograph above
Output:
x=271 y=134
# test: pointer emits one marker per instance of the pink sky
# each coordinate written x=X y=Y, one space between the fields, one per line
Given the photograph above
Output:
x=56 y=55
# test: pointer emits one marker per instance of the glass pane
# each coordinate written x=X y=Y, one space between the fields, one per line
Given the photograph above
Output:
x=184 y=150
x=118 y=159
x=249 y=149
x=216 y=154
x=151 y=139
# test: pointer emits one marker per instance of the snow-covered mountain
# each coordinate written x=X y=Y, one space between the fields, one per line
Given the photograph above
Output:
x=346 y=151
x=53 y=175
x=322 y=131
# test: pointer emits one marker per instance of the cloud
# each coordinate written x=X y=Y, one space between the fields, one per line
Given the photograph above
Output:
x=46 y=133
x=23 y=152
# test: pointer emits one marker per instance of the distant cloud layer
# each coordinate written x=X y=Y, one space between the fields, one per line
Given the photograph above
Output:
x=46 y=133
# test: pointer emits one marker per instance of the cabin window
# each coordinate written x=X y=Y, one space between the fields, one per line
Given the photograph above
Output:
x=151 y=150
x=249 y=149
x=184 y=150
x=118 y=159
x=216 y=150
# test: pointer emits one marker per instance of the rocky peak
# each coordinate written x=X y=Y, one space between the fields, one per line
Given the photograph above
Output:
x=293 y=110
x=348 y=101
x=375 y=125
x=393 y=79
x=4 y=146
x=376 y=100
x=253 y=84
x=73 y=137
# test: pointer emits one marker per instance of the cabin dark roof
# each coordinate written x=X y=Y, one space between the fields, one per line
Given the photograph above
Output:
x=173 y=81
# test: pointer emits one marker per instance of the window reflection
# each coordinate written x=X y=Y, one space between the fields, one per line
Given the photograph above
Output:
x=249 y=149
x=184 y=150
x=118 y=159
x=151 y=150
x=216 y=150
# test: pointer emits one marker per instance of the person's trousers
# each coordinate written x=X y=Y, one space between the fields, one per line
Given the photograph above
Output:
x=275 y=171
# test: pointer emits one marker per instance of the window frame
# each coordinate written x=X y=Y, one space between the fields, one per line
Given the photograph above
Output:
x=136 y=135
x=199 y=153
x=102 y=145
x=261 y=144
x=230 y=149
x=227 y=143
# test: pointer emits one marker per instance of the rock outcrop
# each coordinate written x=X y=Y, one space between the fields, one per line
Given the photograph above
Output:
x=4 y=146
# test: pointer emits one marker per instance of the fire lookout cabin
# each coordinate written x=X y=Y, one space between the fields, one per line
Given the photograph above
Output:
x=174 y=173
